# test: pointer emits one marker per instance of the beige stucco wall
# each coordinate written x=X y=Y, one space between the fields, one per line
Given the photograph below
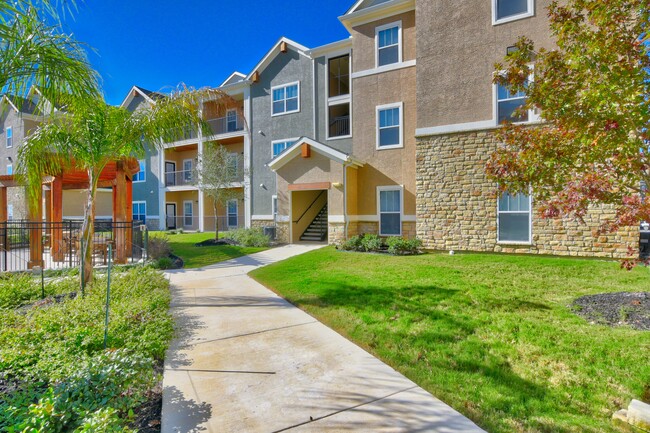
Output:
x=456 y=52
x=208 y=206
x=74 y=201
x=179 y=197
x=173 y=155
x=457 y=206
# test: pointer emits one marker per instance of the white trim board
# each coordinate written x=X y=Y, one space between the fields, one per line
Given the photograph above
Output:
x=385 y=68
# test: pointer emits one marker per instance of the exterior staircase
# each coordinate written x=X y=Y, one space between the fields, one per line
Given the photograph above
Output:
x=317 y=230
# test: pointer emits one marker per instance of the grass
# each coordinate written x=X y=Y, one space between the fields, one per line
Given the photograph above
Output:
x=183 y=245
x=491 y=335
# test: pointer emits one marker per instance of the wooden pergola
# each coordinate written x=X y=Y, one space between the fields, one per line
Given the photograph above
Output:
x=117 y=175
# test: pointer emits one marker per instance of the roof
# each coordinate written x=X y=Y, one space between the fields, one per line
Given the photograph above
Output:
x=366 y=11
x=235 y=77
x=149 y=95
x=325 y=150
x=273 y=52
x=30 y=105
x=363 y=4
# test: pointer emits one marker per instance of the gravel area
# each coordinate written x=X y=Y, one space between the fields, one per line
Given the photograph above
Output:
x=616 y=309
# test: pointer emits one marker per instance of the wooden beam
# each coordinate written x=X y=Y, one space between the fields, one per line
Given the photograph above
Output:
x=129 y=217
x=309 y=186
x=3 y=204
x=56 y=219
x=256 y=77
x=305 y=150
x=283 y=47
x=119 y=214
x=36 y=232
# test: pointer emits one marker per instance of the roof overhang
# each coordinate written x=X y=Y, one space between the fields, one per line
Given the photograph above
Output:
x=235 y=77
x=334 y=47
x=273 y=52
x=135 y=90
x=356 y=18
x=323 y=149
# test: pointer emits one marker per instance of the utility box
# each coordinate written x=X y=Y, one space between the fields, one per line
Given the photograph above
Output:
x=644 y=244
x=270 y=232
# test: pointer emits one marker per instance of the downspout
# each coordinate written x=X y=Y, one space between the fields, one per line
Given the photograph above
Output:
x=313 y=101
x=346 y=220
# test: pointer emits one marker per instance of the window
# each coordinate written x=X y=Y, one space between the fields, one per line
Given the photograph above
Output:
x=187 y=171
x=510 y=10
x=10 y=137
x=10 y=169
x=232 y=213
x=188 y=213
x=508 y=103
x=339 y=76
x=390 y=210
x=339 y=120
x=274 y=205
x=286 y=99
x=281 y=145
x=233 y=164
x=514 y=218
x=389 y=40
x=140 y=176
x=231 y=121
x=389 y=126
x=140 y=211
x=10 y=212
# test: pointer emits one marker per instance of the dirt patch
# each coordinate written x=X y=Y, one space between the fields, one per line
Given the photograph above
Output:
x=616 y=309
x=215 y=243
x=148 y=417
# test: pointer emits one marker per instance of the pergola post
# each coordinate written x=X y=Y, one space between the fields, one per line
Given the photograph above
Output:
x=36 y=232
x=56 y=219
x=3 y=218
x=129 y=217
x=119 y=213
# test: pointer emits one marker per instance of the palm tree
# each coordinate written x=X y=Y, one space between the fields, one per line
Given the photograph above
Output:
x=35 y=52
x=91 y=134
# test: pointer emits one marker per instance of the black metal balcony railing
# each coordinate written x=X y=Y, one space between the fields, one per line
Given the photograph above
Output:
x=225 y=125
x=191 y=222
x=339 y=126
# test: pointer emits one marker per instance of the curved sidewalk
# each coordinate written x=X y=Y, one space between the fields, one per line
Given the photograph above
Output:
x=245 y=360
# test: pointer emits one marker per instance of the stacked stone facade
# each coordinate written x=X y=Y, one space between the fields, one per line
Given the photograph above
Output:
x=457 y=206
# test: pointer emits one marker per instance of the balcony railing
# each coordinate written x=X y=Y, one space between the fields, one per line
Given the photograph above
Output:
x=225 y=125
x=191 y=222
x=180 y=178
x=339 y=126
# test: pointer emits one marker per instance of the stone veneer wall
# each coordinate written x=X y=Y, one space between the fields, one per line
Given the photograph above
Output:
x=281 y=229
x=457 y=206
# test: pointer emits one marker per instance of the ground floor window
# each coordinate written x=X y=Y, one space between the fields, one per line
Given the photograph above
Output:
x=140 y=211
x=390 y=210
x=232 y=213
x=514 y=218
x=188 y=213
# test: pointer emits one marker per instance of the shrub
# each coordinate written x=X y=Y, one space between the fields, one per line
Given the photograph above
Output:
x=21 y=289
x=371 y=243
x=163 y=263
x=352 y=244
x=253 y=237
x=158 y=247
x=401 y=247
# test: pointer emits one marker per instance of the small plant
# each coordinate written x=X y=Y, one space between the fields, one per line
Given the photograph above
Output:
x=399 y=246
x=372 y=243
x=253 y=237
x=163 y=263
x=352 y=244
x=158 y=247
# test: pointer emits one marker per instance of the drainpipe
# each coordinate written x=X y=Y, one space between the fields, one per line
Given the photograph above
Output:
x=345 y=200
x=313 y=101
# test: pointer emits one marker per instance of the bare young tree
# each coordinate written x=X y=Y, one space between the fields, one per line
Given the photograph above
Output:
x=219 y=171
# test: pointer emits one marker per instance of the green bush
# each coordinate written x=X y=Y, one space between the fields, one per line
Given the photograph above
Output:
x=21 y=289
x=352 y=244
x=371 y=243
x=253 y=237
x=158 y=246
x=399 y=246
x=163 y=263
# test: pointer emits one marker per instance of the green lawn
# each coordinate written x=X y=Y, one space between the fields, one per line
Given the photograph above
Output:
x=183 y=245
x=491 y=335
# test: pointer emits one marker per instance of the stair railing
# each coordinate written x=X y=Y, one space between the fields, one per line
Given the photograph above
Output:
x=310 y=206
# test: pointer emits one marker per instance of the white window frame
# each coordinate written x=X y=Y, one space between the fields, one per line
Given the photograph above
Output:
x=379 y=108
x=337 y=100
x=273 y=88
x=143 y=171
x=228 y=120
x=191 y=203
x=10 y=169
x=228 y=214
x=9 y=132
x=274 y=205
x=10 y=212
x=497 y=21
x=400 y=45
x=530 y=223
x=533 y=115
x=284 y=140
x=140 y=202
x=188 y=178
x=399 y=188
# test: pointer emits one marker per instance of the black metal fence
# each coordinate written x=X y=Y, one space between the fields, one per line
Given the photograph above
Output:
x=61 y=242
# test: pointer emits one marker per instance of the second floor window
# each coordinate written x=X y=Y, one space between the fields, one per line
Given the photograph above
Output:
x=389 y=126
x=10 y=169
x=339 y=76
x=508 y=105
x=281 y=146
x=187 y=170
x=388 y=44
x=509 y=10
x=10 y=137
x=231 y=121
x=140 y=175
x=286 y=99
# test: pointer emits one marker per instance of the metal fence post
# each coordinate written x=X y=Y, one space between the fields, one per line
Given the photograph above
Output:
x=146 y=245
x=82 y=260
x=108 y=294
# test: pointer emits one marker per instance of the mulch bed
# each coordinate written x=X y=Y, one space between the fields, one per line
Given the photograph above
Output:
x=149 y=416
x=215 y=243
x=616 y=309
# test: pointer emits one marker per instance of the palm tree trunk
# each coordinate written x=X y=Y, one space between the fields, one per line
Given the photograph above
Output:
x=88 y=230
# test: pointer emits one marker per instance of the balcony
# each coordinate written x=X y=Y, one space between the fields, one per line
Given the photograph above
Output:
x=226 y=125
x=180 y=178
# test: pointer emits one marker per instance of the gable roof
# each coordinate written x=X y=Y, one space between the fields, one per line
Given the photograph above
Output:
x=273 y=52
x=325 y=150
x=363 y=4
x=235 y=77
x=366 y=11
x=149 y=95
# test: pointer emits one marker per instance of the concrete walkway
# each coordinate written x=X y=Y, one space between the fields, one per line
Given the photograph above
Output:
x=245 y=360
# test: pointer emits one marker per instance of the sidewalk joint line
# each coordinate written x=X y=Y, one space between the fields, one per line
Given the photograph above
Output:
x=221 y=371
x=344 y=410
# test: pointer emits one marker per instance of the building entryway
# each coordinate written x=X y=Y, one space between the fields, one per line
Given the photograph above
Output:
x=170 y=216
x=309 y=216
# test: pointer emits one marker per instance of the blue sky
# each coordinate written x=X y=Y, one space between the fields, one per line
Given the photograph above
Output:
x=160 y=43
